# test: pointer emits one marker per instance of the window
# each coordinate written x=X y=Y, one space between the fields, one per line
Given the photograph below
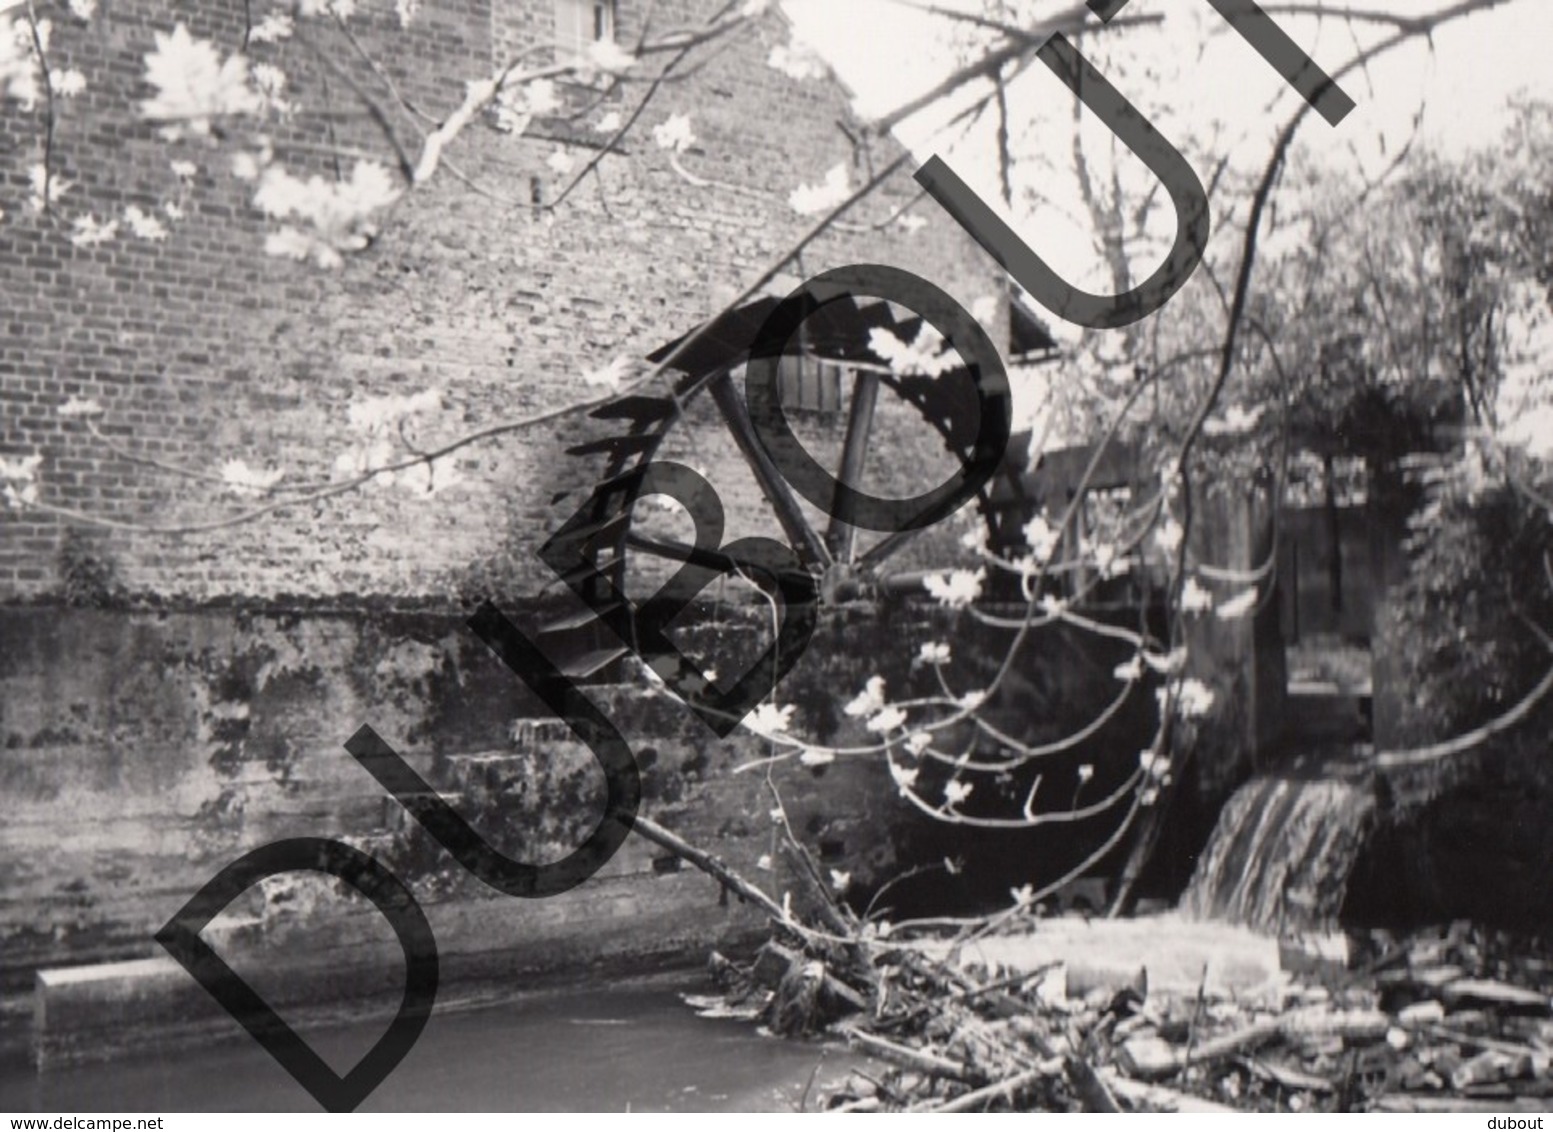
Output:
x=807 y=384
x=579 y=24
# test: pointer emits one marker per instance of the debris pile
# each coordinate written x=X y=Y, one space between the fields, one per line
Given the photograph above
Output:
x=1455 y=1020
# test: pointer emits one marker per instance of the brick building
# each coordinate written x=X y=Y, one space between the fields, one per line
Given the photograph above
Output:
x=201 y=349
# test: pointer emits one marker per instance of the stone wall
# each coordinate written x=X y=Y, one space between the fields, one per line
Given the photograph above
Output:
x=142 y=752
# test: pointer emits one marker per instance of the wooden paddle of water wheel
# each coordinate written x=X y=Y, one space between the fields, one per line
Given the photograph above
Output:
x=896 y=440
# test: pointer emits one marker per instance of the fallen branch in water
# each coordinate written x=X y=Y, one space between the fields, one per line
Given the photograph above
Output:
x=920 y=1060
x=715 y=868
x=1001 y=1090
x=838 y=990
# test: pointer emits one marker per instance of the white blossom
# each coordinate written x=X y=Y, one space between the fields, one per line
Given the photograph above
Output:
x=1086 y=771
x=840 y=881
x=340 y=214
x=813 y=756
x=1194 y=598
x=1235 y=421
x=886 y=720
x=956 y=792
x=342 y=9
x=144 y=225
x=83 y=10
x=1129 y=670
x=1041 y=538
x=1155 y=765
x=77 y=407
x=1193 y=698
x=973 y=700
x=561 y=162
x=609 y=123
x=270 y=81
x=20 y=477
x=807 y=200
x=927 y=355
x=608 y=56
x=869 y=700
x=1238 y=606
x=517 y=105
x=89 y=231
x=769 y=720
x=918 y=741
x=184 y=170
x=957 y=589
x=42 y=180
x=1023 y=896
x=1167 y=536
x=273 y=28
x=609 y=376
x=797 y=60
x=244 y=480
x=764 y=863
x=674 y=133
x=67 y=83
x=194 y=84
x=933 y=652
x=20 y=74
x=905 y=777
x=1109 y=563
x=22 y=469
x=245 y=166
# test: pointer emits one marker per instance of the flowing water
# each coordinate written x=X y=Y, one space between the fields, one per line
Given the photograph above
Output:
x=634 y=1047
x=1282 y=853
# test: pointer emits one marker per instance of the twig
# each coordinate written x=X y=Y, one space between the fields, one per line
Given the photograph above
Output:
x=1090 y=1086
x=1158 y=1096
x=919 y=1060
x=1191 y=1029
x=1001 y=1089
x=712 y=866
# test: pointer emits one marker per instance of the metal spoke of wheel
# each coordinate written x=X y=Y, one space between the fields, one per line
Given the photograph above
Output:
x=885 y=547
x=905 y=583
x=841 y=535
x=811 y=549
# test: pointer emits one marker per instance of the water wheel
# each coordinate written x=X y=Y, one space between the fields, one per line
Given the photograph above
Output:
x=889 y=437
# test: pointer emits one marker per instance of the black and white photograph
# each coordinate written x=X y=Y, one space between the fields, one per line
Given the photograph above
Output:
x=775 y=556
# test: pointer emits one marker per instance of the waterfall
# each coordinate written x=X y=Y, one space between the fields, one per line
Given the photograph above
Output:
x=1280 y=856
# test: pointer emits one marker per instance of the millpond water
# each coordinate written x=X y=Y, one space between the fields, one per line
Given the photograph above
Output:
x=627 y=1047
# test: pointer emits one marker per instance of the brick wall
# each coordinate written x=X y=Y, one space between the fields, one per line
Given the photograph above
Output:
x=202 y=349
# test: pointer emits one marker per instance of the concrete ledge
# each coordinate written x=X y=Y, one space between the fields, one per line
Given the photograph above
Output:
x=109 y=1009
x=354 y=972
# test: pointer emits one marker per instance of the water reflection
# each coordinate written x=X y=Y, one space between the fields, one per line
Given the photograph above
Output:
x=635 y=1046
